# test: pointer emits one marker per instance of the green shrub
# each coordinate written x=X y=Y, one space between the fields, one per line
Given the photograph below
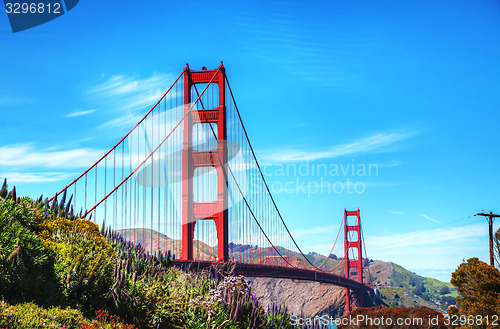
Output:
x=84 y=261
x=30 y=315
x=26 y=269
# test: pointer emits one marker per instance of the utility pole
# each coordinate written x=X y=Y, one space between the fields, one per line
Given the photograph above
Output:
x=490 y=222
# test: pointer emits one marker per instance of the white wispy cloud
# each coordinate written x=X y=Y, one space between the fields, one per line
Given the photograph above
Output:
x=398 y=213
x=378 y=143
x=78 y=113
x=35 y=177
x=298 y=125
x=383 y=184
x=425 y=237
x=430 y=252
x=389 y=164
x=127 y=120
x=309 y=51
x=129 y=96
x=27 y=155
x=429 y=218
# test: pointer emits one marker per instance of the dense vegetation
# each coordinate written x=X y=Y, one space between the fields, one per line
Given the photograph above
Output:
x=394 y=317
x=59 y=271
x=479 y=286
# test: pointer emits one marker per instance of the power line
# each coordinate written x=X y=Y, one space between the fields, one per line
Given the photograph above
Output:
x=415 y=236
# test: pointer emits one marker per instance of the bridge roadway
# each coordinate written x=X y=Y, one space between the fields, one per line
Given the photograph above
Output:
x=268 y=271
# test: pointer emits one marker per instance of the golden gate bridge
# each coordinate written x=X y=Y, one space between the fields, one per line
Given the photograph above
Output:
x=185 y=181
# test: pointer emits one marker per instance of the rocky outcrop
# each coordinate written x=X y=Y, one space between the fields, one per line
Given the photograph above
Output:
x=301 y=297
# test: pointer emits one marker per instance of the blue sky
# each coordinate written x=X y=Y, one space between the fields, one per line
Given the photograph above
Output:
x=411 y=87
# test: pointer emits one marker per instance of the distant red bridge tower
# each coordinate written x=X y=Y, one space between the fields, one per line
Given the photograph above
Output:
x=352 y=242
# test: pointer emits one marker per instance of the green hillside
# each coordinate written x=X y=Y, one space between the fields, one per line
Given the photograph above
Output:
x=398 y=286
x=406 y=288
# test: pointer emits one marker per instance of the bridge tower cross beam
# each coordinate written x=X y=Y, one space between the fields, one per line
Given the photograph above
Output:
x=355 y=244
x=193 y=211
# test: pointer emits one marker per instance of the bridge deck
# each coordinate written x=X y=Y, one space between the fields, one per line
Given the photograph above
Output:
x=256 y=270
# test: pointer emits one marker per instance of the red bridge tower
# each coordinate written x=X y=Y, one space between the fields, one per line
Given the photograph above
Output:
x=191 y=159
x=352 y=241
